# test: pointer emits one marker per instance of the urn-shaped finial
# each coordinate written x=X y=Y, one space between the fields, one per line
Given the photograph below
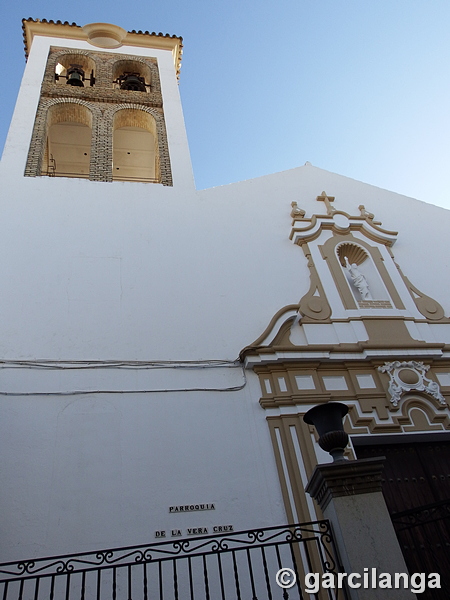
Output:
x=327 y=419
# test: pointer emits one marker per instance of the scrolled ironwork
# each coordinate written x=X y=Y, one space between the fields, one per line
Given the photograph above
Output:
x=244 y=562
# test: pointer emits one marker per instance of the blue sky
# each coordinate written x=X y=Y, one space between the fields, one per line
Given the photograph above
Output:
x=358 y=87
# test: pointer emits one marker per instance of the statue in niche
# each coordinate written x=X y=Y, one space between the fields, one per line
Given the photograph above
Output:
x=359 y=280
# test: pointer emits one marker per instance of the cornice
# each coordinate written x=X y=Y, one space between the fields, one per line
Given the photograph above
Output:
x=142 y=39
x=345 y=478
x=253 y=357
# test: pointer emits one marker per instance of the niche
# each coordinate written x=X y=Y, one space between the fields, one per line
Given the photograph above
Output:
x=361 y=273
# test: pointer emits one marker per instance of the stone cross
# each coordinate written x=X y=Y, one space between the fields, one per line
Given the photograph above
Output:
x=327 y=199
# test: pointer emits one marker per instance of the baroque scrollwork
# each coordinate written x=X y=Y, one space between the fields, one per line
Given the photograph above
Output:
x=406 y=376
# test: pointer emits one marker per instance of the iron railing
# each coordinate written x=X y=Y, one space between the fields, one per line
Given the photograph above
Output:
x=239 y=565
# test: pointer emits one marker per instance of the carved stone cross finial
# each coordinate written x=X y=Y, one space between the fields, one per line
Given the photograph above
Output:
x=327 y=199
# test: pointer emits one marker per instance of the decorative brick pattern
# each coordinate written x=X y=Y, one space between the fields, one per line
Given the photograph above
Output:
x=103 y=100
x=94 y=94
x=57 y=55
x=102 y=149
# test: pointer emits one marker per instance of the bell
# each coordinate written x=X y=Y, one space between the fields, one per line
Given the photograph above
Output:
x=75 y=77
x=327 y=419
x=133 y=83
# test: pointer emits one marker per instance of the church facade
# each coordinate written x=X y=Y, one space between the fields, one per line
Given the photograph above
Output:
x=160 y=345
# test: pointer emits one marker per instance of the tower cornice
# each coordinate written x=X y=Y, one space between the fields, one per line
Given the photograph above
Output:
x=118 y=36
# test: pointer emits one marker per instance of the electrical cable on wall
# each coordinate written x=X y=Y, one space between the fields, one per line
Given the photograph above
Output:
x=131 y=365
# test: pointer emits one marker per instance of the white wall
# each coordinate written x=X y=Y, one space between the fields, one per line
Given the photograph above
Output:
x=98 y=471
x=131 y=271
x=116 y=271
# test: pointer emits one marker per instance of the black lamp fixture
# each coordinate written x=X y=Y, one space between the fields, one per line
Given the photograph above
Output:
x=327 y=419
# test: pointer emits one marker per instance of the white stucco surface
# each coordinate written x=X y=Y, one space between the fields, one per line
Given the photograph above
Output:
x=128 y=272
x=96 y=471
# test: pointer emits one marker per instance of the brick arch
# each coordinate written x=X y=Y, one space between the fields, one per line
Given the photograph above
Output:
x=150 y=65
x=162 y=155
x=103 y=101
x=36 y=152
x=63 y=112
x=134 y=118
x=119 y=66
x=56 y=56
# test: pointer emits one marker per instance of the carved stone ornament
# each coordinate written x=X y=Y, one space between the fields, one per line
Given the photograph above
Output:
x=428 y=307
x=410 y=376
x=314 y=304
x=297 y=212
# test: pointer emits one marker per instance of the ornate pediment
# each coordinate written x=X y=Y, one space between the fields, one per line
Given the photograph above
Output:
x=359 y=303
x=306 y=229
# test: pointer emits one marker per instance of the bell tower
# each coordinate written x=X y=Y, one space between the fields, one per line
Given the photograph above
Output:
x=105 y=106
